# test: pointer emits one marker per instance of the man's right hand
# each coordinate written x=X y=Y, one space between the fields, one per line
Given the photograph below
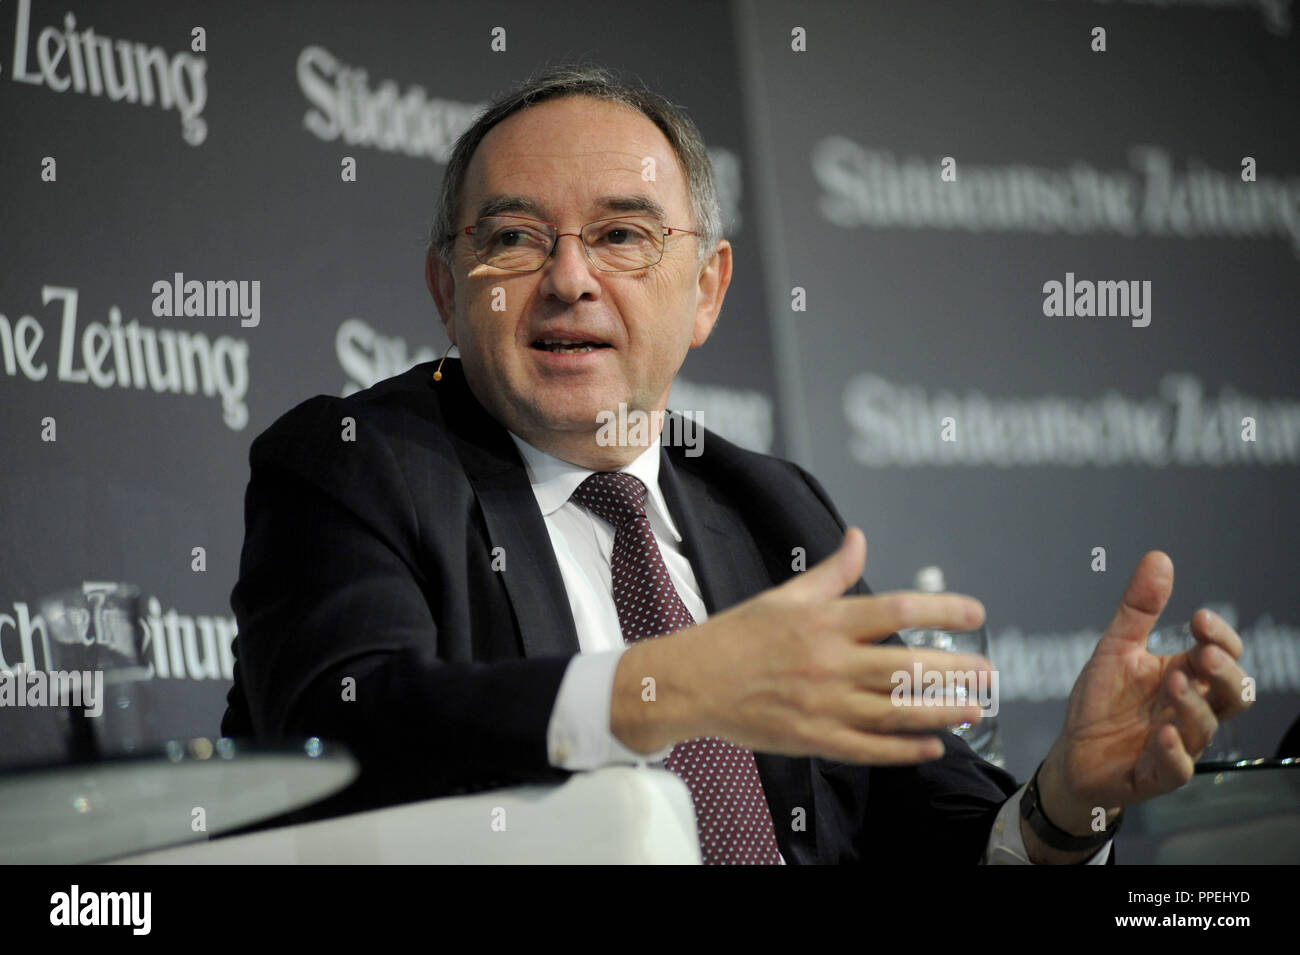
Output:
x=796 y=670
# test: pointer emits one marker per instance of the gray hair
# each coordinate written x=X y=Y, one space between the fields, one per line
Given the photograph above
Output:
x=598 y=83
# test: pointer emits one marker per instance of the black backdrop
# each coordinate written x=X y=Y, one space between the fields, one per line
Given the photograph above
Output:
x=874 y=297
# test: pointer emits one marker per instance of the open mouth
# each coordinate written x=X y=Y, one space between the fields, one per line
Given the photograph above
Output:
x=563 y=346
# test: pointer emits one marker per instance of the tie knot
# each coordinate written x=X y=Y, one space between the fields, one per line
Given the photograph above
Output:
x=613 y=496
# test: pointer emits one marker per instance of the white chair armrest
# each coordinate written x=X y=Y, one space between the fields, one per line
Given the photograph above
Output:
x=619 y=814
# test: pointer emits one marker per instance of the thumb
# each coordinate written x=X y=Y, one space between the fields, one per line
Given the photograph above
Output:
x=834 y=575
x=1145 y=597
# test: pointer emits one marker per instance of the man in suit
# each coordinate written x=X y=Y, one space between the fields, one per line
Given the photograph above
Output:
x=442 y=571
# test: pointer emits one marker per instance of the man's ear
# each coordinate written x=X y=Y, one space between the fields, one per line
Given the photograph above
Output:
x=442 y=286
x=714 y=279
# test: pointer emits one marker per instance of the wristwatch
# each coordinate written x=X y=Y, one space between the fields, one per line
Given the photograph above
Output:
x=1031 y=810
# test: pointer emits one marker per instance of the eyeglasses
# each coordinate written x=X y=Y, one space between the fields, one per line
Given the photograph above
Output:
x=520 y=244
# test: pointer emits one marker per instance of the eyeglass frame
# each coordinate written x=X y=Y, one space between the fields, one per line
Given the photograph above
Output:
x=667 y=230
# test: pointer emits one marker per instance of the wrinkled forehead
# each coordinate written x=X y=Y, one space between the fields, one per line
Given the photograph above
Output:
x=576 y=159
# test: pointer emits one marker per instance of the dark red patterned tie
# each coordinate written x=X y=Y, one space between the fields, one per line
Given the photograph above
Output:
x=731 y=813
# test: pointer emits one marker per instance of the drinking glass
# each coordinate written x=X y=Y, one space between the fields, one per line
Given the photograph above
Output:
x=983 y=737
x=99 y=639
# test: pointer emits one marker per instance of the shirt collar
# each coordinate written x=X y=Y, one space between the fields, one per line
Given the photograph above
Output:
x=554 y=480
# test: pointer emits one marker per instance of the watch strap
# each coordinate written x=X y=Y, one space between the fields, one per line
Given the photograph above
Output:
x=1031 y=810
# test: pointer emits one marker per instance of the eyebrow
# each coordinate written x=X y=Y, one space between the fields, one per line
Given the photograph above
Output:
x=522 y=205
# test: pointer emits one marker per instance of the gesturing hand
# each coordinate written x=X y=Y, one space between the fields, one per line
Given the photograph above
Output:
x=1136 y=722
x=796 y=670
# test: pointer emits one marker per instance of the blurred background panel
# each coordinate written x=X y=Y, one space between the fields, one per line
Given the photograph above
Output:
x=902 y=184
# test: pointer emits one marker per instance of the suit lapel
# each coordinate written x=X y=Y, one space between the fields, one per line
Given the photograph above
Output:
x=706 y=529
x=729 y=570
x=514 y=521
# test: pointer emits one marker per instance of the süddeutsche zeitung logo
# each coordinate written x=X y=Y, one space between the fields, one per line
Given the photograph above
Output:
x=127 y=354
x=82 y=60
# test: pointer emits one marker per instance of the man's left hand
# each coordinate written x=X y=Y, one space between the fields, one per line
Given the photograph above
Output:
x=1136 y=722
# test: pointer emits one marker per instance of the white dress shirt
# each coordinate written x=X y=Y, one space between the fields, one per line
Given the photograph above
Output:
x=578 y=735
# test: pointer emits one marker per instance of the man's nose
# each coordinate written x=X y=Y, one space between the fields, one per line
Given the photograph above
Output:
x=569 y=272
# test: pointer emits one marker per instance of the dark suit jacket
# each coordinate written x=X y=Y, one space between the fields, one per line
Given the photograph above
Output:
x=372 y=559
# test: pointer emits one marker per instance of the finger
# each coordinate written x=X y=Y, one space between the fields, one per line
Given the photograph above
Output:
x=834 y=575
x=905 y=713
x=1209 y=628
x=1164 y=764
x=1193 y=717
x=877 y=749
x=1221 y=677
x=877 y=669
x=1145 y=597
x=879 y=615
